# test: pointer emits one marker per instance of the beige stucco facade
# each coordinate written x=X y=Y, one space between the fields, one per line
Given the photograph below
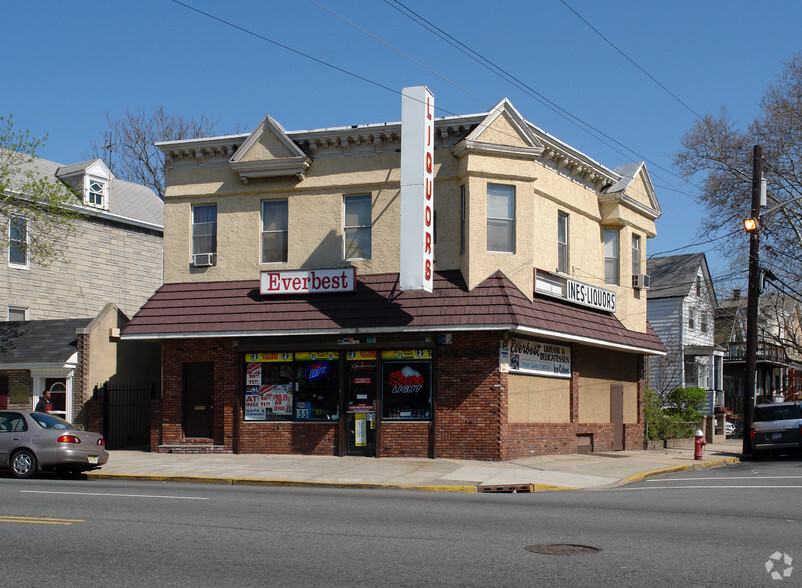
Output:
x=317 y=169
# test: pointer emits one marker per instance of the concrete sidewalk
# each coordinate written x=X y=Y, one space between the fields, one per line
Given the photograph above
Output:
x=552 y=472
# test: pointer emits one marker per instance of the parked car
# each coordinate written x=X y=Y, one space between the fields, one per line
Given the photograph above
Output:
x=777 y=427
x=36 y=441
x=729 y=428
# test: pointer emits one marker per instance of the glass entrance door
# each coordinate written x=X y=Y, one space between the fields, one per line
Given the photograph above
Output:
x=360 y=403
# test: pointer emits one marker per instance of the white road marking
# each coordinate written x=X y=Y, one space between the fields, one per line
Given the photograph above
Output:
x=716 y=487
x=119 y=495
x=727 y=478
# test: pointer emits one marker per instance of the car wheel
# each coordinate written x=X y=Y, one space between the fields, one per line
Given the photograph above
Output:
x=23 y=464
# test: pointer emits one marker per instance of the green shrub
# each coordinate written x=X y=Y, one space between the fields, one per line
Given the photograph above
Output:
x=675 y=416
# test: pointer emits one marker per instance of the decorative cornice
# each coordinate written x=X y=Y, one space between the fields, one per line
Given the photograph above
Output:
x=469 y=146
x=271 y=168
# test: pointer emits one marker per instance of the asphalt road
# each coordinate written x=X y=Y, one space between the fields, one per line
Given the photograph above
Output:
x=706 y=528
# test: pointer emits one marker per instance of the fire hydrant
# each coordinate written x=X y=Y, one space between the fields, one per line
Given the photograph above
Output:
x=699 y=444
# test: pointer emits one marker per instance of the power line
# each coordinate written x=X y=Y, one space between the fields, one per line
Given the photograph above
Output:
x=628 y=58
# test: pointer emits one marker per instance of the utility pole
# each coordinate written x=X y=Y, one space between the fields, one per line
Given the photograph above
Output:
x=752 y=301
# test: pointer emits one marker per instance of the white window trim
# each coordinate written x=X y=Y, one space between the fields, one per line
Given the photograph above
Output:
x=27 y=264
x=192 y=224
x=510 y=220
x=263 y=232
x=563 y=217
x=88 y=180
x=18 y=308
x=368 y=226
x=636 y=254
x=617 y=258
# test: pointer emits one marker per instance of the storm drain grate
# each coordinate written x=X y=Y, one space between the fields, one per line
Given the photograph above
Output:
x=562 y=549
x=513 y=488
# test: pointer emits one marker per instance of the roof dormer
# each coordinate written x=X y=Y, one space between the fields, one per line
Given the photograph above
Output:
x=90 y=180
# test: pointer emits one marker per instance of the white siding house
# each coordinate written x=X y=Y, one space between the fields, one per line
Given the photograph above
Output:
x=681 y=309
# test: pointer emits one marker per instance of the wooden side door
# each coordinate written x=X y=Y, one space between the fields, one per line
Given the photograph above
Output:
x=198 y=399
x=617 y=415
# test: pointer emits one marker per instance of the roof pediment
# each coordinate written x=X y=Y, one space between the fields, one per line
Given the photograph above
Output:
x=634 y=190
x=269 y=152
x=502 y=132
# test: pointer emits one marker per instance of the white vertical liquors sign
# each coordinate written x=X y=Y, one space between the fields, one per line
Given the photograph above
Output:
x=417 y=189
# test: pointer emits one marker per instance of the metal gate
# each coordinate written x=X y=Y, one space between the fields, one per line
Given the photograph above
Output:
x=126 y=415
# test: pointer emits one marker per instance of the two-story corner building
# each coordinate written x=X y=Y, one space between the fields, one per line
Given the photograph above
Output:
x=287 y=319
x=778 y=362
x=111 y=265
x=682 y=303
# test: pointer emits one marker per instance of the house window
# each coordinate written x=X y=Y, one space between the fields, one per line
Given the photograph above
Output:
x=18 y=242
x=204 y=229
x=462 y=224
x=274 y=231
x=500 y=218
x=356 y=227
x=562 y=242
x=17 y=314
x=96 y=193
x=611 y=257
x=703 y=322
x=691 y=318
x=698 y=285
x=635 y=255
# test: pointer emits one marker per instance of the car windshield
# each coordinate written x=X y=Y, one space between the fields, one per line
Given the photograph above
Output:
x=48 y=421
x=778 y=412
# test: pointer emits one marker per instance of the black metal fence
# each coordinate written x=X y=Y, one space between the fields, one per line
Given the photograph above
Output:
x=126 y=414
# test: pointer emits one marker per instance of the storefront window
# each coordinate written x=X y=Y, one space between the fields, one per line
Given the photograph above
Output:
x=317 y=381
x=407 y=385
x=268 y=386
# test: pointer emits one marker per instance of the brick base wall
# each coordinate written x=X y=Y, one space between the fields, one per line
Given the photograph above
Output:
x=406 y=439
x=283 y=437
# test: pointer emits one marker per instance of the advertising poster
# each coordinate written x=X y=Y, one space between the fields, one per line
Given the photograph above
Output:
x=274 y=398
x=265 y=357
x=535 y=358
x=407 y=354
x=317 y=355
x=253 y=374
x=360 y=430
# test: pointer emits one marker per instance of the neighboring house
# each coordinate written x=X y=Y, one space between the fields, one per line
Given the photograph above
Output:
x=111 y=266
x=115 y=257
x=778 y=361
x=681 y=309
x=298 y=316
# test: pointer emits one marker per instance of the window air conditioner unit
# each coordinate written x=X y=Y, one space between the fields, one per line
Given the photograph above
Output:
x=203 y=259
x=641 y=281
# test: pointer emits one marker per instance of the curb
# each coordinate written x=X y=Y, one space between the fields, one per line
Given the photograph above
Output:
x=287 y=483
x=680 y=468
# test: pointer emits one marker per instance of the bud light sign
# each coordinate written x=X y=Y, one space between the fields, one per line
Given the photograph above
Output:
x=317 y=370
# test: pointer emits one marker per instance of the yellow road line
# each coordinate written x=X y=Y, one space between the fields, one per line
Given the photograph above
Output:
x=38 y=520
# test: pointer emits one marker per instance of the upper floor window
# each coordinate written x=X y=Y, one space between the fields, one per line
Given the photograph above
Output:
x=703 y=322
x=18 y=242
x=562 y=242
x=501 y=218
x=96 y=193
x=462 y=221
x=635 y=255
x=16 y=313
x=204 y=231
x=698 y=285
x=275 y=229
x=611 y=257
x=357 y=227
x=691 y=318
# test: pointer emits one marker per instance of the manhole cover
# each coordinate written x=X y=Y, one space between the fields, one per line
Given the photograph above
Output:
x=562 y=549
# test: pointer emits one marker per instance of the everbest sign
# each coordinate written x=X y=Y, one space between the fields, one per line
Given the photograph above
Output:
x=308 y=281
x=417 y=189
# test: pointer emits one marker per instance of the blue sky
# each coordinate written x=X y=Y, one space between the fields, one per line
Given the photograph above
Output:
x=68 y=63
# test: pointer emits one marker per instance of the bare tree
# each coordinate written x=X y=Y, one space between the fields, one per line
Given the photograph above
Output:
x=38 y=214
x=718 y=151
x=129 y=144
